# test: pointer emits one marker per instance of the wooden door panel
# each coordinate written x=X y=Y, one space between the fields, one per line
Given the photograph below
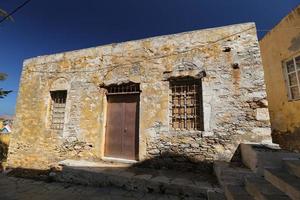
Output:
x=129 y=137
x=113 y=142
x=121 y=139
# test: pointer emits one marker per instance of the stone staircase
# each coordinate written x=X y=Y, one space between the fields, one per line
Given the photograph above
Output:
x=266 y=173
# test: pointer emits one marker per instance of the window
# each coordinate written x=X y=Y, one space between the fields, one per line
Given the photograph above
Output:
x=292 y=68
x=187 y=108
x=58 y=105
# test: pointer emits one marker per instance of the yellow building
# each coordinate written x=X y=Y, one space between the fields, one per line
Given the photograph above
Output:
x=280 y=50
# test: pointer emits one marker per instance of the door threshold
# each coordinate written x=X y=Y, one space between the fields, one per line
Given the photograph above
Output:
x=119 y=160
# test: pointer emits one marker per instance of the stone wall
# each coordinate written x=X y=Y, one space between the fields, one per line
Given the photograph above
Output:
x=279 y=45
x=234 y=97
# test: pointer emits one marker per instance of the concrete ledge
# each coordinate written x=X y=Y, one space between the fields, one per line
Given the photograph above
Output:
x=119 y=160
x=84 y=163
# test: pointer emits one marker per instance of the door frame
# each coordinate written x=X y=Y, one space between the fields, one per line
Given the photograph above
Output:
x=105 y=96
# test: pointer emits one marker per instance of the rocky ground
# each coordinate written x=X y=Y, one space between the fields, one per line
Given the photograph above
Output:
x=12 y=188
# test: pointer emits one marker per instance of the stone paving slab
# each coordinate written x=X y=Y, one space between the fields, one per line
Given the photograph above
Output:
x=12 y=188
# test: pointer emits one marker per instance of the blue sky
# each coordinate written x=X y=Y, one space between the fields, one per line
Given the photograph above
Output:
x=51 y=26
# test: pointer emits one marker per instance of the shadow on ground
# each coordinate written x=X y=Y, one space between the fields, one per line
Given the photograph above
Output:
x=167 y=161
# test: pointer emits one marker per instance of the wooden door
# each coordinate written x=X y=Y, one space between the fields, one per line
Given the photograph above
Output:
x=121 y=138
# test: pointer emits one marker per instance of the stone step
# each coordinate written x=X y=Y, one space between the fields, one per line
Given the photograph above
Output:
x=236 y=192
x=136 y=179
x=293 y=166
x=257 y=157
x=261 y=189
x=284 y=181
x=231 y=173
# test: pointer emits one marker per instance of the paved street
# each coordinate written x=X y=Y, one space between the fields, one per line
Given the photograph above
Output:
x=24 y=189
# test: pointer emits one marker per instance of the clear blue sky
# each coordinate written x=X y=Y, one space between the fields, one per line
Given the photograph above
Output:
x=51 y=26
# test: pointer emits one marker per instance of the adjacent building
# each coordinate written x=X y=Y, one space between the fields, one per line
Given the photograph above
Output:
x=280 y=50
x=188 y=97
x=6 y=124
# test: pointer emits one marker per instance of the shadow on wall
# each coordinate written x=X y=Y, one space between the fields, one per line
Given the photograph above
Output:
x=295 y=43
x=287 y=140
x=176 y=161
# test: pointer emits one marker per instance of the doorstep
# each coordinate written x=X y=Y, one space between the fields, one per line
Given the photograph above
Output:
x=119 y=160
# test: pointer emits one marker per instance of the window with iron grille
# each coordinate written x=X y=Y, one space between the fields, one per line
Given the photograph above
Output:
x=292 y=68
x=58 y=105
x=187 y=108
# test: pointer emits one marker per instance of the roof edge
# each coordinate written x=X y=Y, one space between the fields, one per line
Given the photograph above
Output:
x=61 y=54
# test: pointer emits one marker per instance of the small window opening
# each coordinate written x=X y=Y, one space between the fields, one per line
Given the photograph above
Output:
x=58 y=106
x=292 y=68
x=187 y=106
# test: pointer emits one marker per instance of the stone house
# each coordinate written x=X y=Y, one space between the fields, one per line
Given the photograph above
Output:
x=191 y=96
x=280 y=50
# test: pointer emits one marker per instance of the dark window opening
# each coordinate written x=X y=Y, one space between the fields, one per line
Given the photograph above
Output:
x=187 y=106
x=58 y=106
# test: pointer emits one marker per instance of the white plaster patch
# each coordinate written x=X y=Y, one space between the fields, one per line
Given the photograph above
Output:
x=258 y=95
x=207 y=114
x=262 y=131
x=207 y=133
x=240 y=132
x=262 y=114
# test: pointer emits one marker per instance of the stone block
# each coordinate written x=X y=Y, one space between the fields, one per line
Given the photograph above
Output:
x=262 y=131
x=259 y=156
x=262 y=114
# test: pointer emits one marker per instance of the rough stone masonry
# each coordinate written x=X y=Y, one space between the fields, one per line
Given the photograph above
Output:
x=226 y=60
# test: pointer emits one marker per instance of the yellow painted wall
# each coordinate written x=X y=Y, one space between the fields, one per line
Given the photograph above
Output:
x=280 y=44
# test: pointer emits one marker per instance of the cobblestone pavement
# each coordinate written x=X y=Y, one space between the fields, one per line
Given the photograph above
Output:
x=12 y=188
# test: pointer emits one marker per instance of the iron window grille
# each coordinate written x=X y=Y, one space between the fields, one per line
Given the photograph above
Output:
x=58 y=106
x=292 y=69
x=187 y=107
x=129 y=88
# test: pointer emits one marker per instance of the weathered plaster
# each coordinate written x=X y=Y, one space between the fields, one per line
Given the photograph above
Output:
x=280 y=44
